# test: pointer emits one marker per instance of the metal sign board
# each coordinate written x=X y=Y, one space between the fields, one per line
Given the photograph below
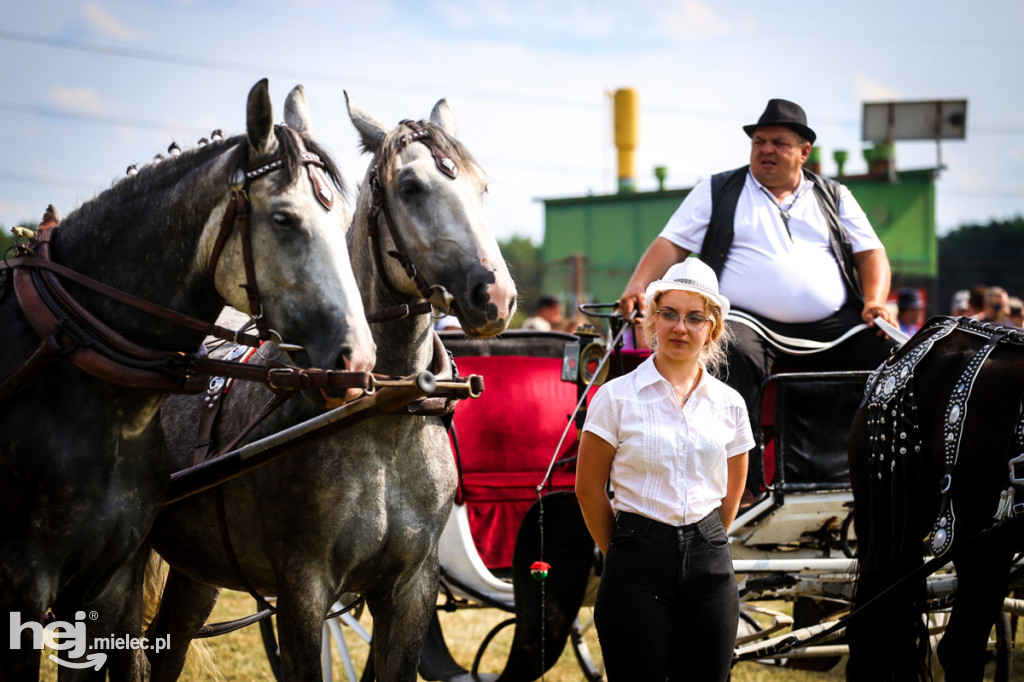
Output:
x=927 y=120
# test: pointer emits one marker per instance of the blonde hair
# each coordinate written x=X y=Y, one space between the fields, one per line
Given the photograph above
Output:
x=713 y=353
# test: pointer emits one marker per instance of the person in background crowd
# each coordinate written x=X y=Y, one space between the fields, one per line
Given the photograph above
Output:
x=673 y=439
x=792 y=250
x=997 y=306
x=911 y=310
x=959 y=304
x=548 y=316
x=976 y=301
x=1016 y=312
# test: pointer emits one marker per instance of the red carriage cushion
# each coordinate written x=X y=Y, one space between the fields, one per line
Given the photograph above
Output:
x=506 y=439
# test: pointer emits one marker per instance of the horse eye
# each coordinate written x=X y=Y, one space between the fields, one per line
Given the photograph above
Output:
x=410 y=187
x=283 y=219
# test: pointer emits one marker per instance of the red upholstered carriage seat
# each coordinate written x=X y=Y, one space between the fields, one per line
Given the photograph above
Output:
x=506 y=438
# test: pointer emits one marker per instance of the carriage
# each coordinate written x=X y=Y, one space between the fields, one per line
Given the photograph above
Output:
x=793 y=547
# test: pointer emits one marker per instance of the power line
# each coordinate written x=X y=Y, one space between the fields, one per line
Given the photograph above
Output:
x=375 y=83
x=100 y=119
x=249 y=68
x=47 y=180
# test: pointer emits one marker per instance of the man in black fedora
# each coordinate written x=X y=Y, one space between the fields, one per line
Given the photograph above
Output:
x=794 y=253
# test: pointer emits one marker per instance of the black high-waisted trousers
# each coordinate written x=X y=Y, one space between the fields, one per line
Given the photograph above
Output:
x=668 y=605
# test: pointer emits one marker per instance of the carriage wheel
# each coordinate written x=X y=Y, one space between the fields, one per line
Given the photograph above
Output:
x=808 y=611
x=1004 y=648
x=347 y=636
x=583 y=636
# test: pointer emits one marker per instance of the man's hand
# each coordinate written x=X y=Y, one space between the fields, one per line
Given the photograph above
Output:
x=873 y=310
x=659 y=257
x=632 y=299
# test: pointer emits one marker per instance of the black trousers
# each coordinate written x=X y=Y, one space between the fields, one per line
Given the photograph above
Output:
x=668 y=605
x=752 y=359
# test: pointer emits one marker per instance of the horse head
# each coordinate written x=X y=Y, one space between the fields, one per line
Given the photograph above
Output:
x=299 y=270
x=424 y=196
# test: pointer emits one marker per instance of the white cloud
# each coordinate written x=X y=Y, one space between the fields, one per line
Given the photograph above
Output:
x=84 y=100
x=871 y=90
x=689 y=18
x=107 y=24
x=589 y=19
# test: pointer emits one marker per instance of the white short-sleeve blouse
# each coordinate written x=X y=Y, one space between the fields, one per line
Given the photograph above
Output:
x=670 y=464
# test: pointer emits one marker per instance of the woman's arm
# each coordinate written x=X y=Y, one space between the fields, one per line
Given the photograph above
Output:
x=593 y=467
x=737 y=482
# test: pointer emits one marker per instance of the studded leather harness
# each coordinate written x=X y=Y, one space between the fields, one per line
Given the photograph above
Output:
x=893 y=425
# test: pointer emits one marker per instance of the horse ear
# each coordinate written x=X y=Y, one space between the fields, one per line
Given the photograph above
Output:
x=259 y=121
x=296 y=112
x=443 y=117
x=370 y=130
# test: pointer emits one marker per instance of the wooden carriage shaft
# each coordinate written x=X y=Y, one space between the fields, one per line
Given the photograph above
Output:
x=253 y=455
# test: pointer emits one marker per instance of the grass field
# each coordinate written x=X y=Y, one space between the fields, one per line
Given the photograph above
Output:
x=239 y=656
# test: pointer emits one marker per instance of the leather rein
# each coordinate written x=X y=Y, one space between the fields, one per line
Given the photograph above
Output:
x=69 y=331
x=435 y=297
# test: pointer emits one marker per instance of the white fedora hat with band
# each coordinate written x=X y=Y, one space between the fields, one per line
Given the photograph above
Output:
x=694 y=275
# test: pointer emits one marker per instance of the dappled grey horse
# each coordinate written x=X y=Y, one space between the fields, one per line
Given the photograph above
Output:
x=361 y=511
x=237 y=221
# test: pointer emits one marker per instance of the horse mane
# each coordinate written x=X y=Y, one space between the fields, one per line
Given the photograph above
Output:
x=395 y=141
x=169 y=172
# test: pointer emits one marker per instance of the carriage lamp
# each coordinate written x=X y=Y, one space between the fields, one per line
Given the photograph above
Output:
x=539 y=570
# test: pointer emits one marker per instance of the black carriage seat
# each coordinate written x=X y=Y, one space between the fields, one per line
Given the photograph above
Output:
x=805 y=423
x=504 y=440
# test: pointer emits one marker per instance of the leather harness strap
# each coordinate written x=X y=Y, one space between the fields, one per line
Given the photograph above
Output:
x=180 y=319
x=237 y=213
x=71 y=332
x=379 y=208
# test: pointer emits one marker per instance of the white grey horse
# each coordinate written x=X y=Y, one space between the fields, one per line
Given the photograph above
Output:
x=361 y=511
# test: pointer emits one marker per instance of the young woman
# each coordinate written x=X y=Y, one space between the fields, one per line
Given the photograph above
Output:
x=673 y=440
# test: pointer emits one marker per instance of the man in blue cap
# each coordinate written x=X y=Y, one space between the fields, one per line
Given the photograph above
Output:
x=910 y=310
x=793 y=251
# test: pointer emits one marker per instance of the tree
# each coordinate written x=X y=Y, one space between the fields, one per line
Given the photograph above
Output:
x=523 y=258
x=981 y=254
x=7 y=237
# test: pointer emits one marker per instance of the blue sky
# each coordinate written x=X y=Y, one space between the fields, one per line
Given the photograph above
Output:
x=88 y=88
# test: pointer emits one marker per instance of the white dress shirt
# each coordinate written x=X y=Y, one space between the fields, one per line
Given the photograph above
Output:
x=784 y=275
x=670 y=462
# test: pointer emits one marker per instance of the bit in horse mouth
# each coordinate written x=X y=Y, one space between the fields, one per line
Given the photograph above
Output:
x=333 y=398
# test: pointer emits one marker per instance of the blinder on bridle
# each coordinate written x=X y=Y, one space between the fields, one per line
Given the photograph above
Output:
x=237 y=212
x=440 y=301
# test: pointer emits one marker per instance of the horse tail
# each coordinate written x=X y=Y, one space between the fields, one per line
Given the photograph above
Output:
x=200 y=660
x=888 y=635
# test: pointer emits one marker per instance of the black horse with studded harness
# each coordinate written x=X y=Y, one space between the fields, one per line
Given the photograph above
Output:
x=935 y=459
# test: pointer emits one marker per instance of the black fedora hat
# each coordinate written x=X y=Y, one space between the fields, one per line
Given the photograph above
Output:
x=781 y=112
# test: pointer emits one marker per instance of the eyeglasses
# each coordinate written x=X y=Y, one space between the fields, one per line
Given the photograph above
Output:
x=693 y=321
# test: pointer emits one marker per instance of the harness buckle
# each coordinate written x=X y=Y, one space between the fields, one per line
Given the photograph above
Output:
x=1014 y=478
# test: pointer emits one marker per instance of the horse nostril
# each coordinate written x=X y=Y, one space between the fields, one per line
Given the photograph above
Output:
x=479 y=296
x=344 y=359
